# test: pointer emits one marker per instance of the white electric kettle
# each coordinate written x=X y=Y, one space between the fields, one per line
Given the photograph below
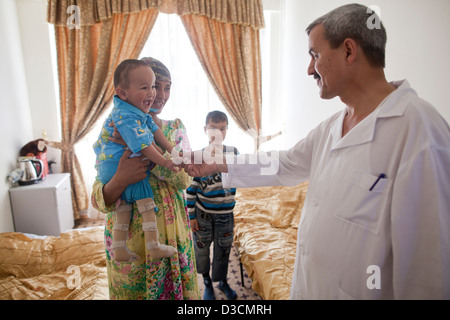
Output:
x=32 y=170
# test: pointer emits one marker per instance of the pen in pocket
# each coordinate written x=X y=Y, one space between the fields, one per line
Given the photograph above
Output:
x=381 y=176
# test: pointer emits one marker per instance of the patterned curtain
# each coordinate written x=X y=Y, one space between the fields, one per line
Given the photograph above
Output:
x=225 y=36
x=91 y=40
x=94 y=36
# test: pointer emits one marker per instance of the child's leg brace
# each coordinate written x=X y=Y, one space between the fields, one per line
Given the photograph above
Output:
x=120 y=235
x=156 y=250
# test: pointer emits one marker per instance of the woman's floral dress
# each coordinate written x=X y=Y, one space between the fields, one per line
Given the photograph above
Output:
x=172 y=278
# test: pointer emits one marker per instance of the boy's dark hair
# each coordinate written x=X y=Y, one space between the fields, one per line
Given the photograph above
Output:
x=216 y=116
x=123 y=69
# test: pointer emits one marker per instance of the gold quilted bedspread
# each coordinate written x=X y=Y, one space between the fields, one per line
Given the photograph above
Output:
x=69 y=267
x=73 y=266
x=266 y=223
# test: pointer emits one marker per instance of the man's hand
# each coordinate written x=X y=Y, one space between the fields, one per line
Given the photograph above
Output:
x=204 y=169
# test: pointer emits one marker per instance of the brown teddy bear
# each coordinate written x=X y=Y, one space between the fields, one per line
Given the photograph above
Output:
x=34 y=148
x=38 y=149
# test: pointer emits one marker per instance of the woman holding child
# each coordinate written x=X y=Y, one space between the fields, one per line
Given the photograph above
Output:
x=172 y=278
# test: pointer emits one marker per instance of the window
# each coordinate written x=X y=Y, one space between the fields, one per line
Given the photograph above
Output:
x=192 y=96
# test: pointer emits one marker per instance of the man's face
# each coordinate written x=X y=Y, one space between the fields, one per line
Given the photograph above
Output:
x=326 y=64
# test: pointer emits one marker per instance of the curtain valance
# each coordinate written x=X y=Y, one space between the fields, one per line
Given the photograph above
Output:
x=243 y=12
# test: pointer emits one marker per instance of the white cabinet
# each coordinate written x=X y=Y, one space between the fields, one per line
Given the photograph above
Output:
x=44 y=208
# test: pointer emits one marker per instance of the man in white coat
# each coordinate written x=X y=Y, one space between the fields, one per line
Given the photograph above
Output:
x=376 y=219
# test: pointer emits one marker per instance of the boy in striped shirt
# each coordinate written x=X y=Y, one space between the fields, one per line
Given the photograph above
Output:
x=210 y=209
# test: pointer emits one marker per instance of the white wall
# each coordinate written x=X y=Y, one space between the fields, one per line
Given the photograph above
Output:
x=38 y=46
x=418 y=49
x=15 y=122
x=26 y=87
x=35 y=40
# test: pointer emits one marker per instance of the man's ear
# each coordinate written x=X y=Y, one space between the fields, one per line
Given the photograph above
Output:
x=121 y=93
x=351 y=49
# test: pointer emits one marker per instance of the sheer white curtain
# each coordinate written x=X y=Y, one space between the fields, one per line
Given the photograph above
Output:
x=192 y=97
x=272 y=100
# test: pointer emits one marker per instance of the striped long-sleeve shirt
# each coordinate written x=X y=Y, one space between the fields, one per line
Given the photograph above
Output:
x=208 y=195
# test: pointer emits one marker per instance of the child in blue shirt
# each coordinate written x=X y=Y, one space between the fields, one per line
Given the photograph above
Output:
x=134 y=82
x=210 y=209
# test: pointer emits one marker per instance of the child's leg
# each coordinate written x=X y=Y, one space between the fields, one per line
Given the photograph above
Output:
x=156 y=250
x=223 y=240
x=202 y=244
x=120 y=235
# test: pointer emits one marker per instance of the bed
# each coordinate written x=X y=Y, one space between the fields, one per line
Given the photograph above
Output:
x=69 y=267
x=73 y=265
x=266 y=223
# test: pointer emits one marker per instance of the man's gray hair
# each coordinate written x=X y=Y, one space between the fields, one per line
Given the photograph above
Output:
x=353 y=21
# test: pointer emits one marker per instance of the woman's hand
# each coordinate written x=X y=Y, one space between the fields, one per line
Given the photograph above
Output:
x=116 y=136
x=129 y=171
x=132 y=170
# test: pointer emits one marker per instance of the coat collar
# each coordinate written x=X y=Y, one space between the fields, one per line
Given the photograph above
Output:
x=363 y=132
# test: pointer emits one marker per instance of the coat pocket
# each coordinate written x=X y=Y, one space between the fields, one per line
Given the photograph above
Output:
x=366 y=198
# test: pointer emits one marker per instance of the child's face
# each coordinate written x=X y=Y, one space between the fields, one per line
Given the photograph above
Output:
x=141 y=91
x=216 y=131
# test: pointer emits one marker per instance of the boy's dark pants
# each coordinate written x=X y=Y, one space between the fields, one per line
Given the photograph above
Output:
x=217 y=228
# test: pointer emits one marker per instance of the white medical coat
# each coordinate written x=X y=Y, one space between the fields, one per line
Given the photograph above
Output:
x=389 y=243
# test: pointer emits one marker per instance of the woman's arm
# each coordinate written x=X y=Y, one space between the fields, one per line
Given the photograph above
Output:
x=129 y=171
